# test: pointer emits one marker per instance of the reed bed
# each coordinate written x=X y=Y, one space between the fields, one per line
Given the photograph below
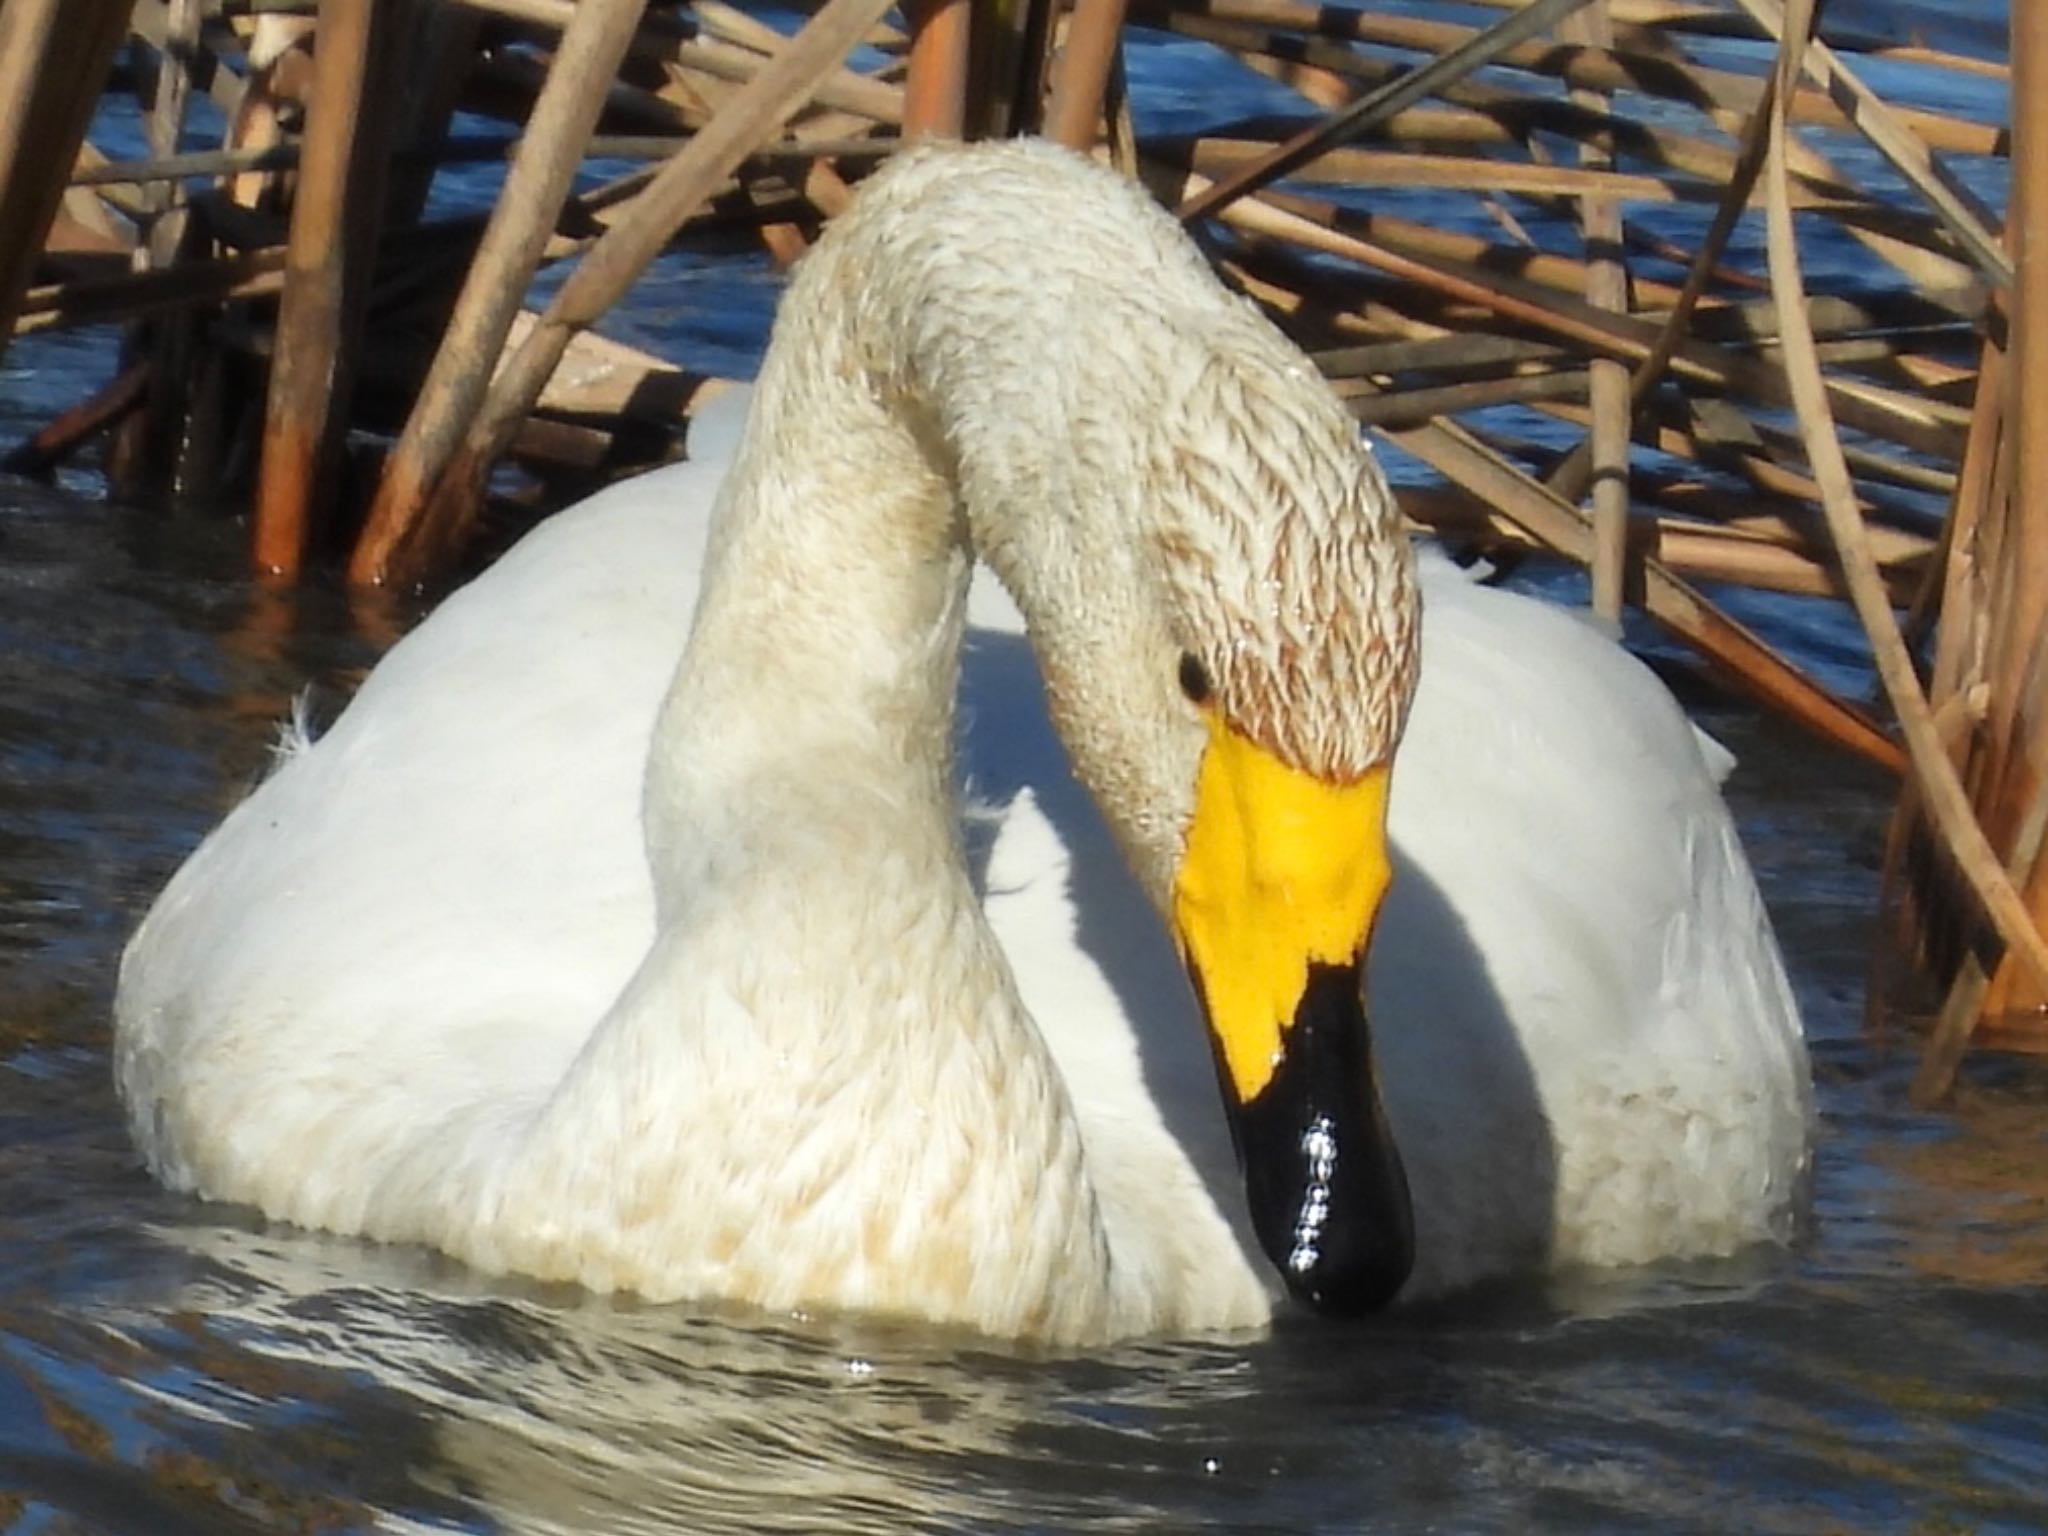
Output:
x=1582 y=259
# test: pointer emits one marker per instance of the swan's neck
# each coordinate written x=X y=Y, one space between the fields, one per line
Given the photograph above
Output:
x=823 y=963
x=921 y=403
x=929 y=393
x=932 y=393
x=815 y=695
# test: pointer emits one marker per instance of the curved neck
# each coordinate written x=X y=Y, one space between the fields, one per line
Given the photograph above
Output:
x=823 y=656
x=916 y=403
x=945 y=378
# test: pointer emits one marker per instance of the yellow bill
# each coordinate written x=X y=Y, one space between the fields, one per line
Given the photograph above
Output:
x=1274 y=903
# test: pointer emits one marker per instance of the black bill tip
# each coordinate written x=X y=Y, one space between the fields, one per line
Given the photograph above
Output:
x=1328 y=1195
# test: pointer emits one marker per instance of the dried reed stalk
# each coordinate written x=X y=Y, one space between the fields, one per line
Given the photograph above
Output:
x=1996 y=661
x=1728 y=99
x=1607 y=444
x=597 y=33
x=1644 y=61
x=935 y=97
x=54 y=56
x=151 y=21
x=191 y=284
x=1363 y=115
x=62 y=437
x=1912 y=421
x=1734 y=649
x=1965 y=216
x=757 y=111
x=1935 y=780
x=1081 y=75
x=337 y=216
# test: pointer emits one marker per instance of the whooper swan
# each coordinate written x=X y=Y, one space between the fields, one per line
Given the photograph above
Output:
x=692 y=978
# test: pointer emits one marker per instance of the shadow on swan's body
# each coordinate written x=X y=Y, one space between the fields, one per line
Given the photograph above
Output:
x=575 y=962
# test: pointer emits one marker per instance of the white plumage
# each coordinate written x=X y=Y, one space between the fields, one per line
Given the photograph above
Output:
x=689 y=982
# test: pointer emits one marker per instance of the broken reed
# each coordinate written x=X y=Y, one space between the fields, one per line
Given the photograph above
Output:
x=1727 y=424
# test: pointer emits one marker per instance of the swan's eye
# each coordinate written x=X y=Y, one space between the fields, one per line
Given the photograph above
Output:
x=1194 y=678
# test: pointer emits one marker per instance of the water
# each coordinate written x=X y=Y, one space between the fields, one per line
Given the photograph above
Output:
x=173 y=1367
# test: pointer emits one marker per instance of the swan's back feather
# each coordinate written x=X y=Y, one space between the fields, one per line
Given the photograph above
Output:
x=447 y=888
x=1558 y=828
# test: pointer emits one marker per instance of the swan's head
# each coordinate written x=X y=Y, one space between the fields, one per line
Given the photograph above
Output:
x=1290 y=588
x=1232 y=674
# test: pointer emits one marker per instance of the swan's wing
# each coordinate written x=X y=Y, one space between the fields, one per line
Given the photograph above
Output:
x=440 y=895
x=1589 y=1041
x=1553 y=790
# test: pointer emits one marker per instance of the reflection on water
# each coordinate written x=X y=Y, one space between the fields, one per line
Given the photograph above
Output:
x=172 y=1367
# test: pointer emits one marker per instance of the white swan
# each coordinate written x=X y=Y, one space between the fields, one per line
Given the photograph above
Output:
x=686 y=979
